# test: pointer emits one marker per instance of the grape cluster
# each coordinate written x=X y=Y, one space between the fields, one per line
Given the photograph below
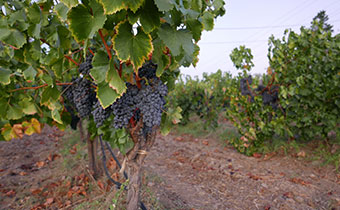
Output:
x=124 y=107
x=152 y=103
x=148 y=70
x=100 y=114
x=83 y=96
x=270 y=96
x=74 y=118
x=244 y=86
x=147 y=102
x=85 y=67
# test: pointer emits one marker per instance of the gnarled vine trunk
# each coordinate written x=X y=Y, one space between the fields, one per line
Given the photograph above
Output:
x=92 y=146
x=135 y=160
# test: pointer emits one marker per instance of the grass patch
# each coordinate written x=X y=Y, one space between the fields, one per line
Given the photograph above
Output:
x=195 y=127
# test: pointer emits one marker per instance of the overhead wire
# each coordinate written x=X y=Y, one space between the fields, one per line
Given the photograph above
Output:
x=291 y=13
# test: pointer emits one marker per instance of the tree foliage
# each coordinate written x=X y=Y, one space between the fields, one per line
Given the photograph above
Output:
x=43 y=42
x=304 y=70
x=206 y=98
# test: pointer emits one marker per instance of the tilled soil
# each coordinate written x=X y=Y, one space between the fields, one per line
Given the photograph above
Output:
x=199 y=174
x=26 y=163
x=185 y=173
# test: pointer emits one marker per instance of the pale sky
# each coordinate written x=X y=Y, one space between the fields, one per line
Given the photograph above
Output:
x=268 y=17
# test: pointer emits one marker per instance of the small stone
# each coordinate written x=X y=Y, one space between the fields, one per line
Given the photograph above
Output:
x=313 y=176
x=299 y=199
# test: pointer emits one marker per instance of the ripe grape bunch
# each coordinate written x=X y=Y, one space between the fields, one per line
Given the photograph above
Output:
x=81 y=96
x=245 y=85
x=269 y=95
x=85 y=67
x=148 y=101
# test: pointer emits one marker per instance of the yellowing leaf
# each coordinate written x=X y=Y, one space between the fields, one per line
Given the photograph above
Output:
x=7 y=132
x=56 y=116
x=85 y=22
x=114 y=80
x=111 y=7
x=36 y=125
x=106 y=95
x=128 y=46
x=17 y=129
x=5 y=76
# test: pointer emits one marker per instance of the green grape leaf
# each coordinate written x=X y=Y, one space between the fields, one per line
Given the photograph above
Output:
x=30 y=73
x=128 y=46
x=165 y=5
x=14 y=113
x=58 y=68
x=158 y=57
x=111 y=7
x=61 y=10
x=3 y=107
x=196 y=28
x=49 y=96
x=114 y=80
x=64 y=37
x=56 y=116
x=165 y=125
x=196 y=5
x=173 y=116
x=18 y=20
x=8 y=132
x=70 y=3
x=28 y=106
x=34 y=13
x=13 y=37
x=133 y=17
x=85 y=22
x=218 y=4
x=34 y=30
x=208 y=21
x=106 y=95
x=100 y=67
x=176 y=40
x=5 y=75
x=150 y=16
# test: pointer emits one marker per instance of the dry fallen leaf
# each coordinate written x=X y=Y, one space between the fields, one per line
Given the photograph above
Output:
x=49 y=201
x=299 y=181
x=73 y=150
x=36 y=191
x=301 y=154
x=179 y=138
x=11 y=193
x=101 y=185
x=257 y=155
x=288 y=194
x=205 y=142
x=40 y=164
x=112 y=164
x=23 y=173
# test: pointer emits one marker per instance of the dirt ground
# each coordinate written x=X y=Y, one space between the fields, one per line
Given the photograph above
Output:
x=182 y=172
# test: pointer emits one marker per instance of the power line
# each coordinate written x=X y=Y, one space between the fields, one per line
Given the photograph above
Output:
x=255 y=27
x=260 y=27
x=234 y=42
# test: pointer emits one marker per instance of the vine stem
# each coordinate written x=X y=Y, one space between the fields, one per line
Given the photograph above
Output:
x=70 y=59
x=105 y=44
x=37 y=87
x=91 y=51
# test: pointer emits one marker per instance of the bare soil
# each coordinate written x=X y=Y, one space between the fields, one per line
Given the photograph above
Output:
x=182 y=172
